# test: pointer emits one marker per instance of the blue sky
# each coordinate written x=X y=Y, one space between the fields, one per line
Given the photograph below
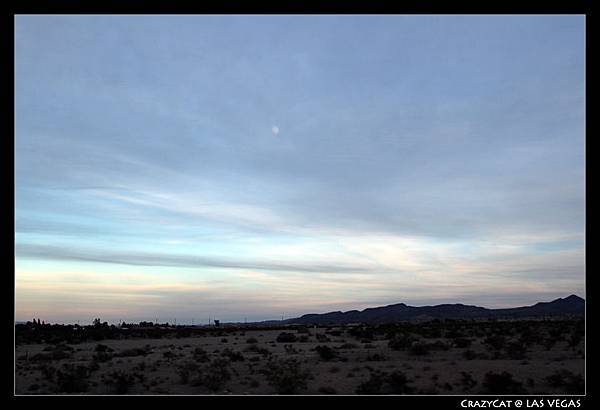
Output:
x=252 y=166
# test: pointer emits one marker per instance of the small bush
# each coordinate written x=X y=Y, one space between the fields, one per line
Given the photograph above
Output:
x=185 y=371
x=348 y=346
x=100 y=348
x=372 y=386
x=72 y=379
x=234 y=356
x=136 y=351
x=119 y=380
x=286 y=376
x=462 y=342
x=401 y=342
x=200 y=355
x=383 y=383
x=376 y=357
x=496 y=342
x=467 y=380
x=567 y=381
x=502 y=383
x=214 y=375
x=286 y=337
x=419 y=349
x=516 y=350
x=326 y=353
x=289 y=349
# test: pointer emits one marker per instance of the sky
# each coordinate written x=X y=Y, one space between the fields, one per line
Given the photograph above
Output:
x=254 y=167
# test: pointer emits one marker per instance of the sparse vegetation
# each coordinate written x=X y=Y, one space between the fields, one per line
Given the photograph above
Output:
x=277 y=360
x=287 y=376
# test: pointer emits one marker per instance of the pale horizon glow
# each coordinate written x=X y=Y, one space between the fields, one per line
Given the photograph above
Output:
x=249 y=167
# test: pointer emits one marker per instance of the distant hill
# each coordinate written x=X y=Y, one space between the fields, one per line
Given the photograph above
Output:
x=570 y=306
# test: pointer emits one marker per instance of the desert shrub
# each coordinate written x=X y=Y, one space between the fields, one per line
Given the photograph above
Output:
x=169 y=355
x=569 y=382
x=575 y=339
x=371 y=386
x=462 y=342
x=327 y=390
x=502 y=383
x=326 y=353
x=303 y=339
x=529 y=337
x=141 y=366
x=185 y=371
x=397 y=383
x=200 y=355
x=234 y=356
x=119 y=381
x=516 y=350
x=286 y=376
x=467 y=380
x=285 y=337
x=72 y=379
x=432 y=332
x=224 y=340
x=136 y=351
x=419 y=349
x=289 y=349
x=34 y=387
x=252 y=340
x=557 y=333
x=335 y=333
x=438 y=345
x=57 y=352
x=401 y=342
x=102 y=357
x=496 y=342
x=549 y=343
x=257 y=349
x=302 y=329
x=383 y=383
x=214 y=375
x=93 y=366
x=41 y=357
x=48 y=371
x=469 y=354
x=100 y=348
x=362 y=333
x=376 y=357
x=348 y=346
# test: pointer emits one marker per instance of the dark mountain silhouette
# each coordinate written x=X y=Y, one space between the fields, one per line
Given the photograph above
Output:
x=562 y=307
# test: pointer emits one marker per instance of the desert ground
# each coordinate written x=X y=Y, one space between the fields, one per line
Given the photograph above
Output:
x=523 y=357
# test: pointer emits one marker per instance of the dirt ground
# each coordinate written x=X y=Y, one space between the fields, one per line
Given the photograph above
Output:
x=253 y=362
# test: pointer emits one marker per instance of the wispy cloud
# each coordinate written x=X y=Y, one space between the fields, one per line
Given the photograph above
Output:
x=147 y=259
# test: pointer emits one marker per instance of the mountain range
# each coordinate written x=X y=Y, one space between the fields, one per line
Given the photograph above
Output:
x=571 y=306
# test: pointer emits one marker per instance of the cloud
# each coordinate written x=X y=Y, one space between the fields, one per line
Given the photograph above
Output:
x=148 y=259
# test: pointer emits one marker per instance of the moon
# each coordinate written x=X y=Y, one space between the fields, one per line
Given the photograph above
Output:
x=275 y=129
